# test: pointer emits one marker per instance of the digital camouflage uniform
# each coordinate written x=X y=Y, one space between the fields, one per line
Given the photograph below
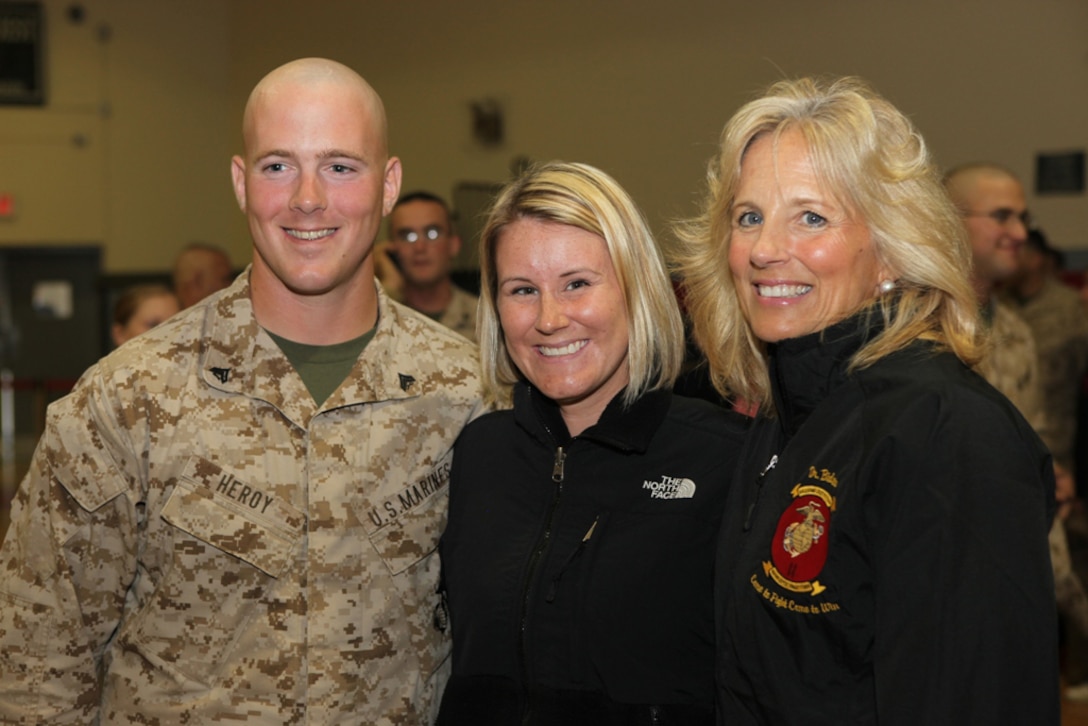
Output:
x=198 y=542
x=460 y=314
x=1059 y=327
x=1012 y=366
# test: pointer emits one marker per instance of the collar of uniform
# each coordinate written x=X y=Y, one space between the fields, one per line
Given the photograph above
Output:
x=805 y=370
x=624 y=429
x=403 y=358
x=240 y=357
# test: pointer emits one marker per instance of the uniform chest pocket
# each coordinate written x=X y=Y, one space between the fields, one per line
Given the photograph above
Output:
x=250 y=532
x=407 y=525
x=409 y=549
x=412 y=538
x=228 y=552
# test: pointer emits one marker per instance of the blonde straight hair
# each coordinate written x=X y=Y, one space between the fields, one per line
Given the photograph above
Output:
x=582 y=196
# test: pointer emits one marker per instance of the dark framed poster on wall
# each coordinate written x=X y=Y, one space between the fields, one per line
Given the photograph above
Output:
x=22 y=33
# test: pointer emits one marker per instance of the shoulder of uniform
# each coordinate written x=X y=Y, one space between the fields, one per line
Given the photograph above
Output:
x=160 y=348
x=426 y=333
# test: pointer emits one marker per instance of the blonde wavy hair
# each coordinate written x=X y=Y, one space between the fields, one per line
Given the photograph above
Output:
x=873 y=160
x=582 y=196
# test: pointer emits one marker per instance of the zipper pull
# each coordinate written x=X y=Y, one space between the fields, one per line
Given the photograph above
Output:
x=557 y=470
x=553 y=587
x=592 y=527
x=759 y=487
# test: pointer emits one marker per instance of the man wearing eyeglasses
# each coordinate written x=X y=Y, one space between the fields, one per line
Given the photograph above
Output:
x=423 y=244
x=992 y=204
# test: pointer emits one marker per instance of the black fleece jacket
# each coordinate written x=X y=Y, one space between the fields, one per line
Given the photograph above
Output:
x=884 y=555
x=580 y=570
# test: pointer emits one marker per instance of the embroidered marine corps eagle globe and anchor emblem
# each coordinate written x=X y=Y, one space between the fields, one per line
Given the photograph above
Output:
x=800 y=544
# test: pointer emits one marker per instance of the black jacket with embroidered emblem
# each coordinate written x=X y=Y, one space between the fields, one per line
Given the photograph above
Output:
x=584 y=566
x=884 y=552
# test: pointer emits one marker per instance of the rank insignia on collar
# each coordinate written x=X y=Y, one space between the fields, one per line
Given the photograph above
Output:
x=221 y=374
x=406 y=381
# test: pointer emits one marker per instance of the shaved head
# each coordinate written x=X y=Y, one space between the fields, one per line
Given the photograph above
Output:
x=991 y=201
x=962 y=181
x=314 y=73
x=314 y=181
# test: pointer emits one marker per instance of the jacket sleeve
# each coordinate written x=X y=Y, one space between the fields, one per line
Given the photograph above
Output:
x=966 y=628
x=66 y=564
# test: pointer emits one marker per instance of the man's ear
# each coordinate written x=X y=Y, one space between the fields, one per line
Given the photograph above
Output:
x=391 y=185
x=238 y=176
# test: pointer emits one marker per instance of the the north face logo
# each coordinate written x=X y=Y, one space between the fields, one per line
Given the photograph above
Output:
x=670 y=487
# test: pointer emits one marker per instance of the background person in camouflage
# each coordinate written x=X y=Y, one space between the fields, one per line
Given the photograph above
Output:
x=234 y=517
x=992 y=204
x=424 y=243
x=1059 y=326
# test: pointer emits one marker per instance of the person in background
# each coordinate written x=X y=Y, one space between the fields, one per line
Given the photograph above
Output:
x=1059 y=327
x=883 y=557
x=993 y=207
x=422 y=247
x=139 y=309
x=991 y=202
x=199 y=270
x=578 y=557
x=235 y=516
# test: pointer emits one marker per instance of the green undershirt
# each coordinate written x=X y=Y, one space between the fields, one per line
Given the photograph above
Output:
x=323 y=367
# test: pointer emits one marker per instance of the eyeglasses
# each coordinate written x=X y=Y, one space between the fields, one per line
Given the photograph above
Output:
x=411 y=236
x=1004 y=215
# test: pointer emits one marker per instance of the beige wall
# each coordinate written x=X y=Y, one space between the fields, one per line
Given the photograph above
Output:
x=638 y=88
x=144 y=86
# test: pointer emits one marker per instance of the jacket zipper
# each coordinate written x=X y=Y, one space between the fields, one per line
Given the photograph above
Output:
x=759 y=487
x=534 y=560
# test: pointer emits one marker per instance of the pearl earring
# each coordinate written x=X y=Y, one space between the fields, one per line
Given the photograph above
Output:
x=887 y=286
